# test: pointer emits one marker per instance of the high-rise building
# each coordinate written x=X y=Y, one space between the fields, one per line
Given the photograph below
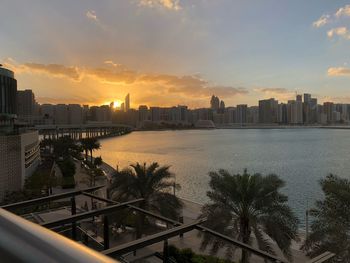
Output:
x=61 y=115
x=241 y=113
x=222 y=105
x=19 y=149
x=268 y=111
x=295 y=111
x=155 y=114
x=143 y=113
x=127 y=102
x=282 y=116
x=75 y=114
x=214 y=103
x=328 y=109
x=307 y=98
x=8 y=95
x=25 y=103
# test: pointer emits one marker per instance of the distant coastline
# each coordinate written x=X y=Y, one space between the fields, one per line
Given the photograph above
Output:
x=256 y=127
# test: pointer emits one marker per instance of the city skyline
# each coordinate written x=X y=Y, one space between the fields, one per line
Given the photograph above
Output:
x=240 y=51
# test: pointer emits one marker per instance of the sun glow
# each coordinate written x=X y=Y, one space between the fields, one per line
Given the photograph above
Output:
x=116 y=104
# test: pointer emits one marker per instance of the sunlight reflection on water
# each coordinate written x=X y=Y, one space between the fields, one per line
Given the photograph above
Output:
x=300 y=156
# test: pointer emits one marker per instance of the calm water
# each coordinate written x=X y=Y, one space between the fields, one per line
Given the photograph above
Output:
x=300 y=156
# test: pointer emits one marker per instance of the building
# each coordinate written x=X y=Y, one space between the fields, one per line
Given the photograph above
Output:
x=19 y=149
x=8 y=96
x=214 y=103
x=75 y=114
x=242 y=113
x=328 y=109
x=127 y=102
x=100 y=113
x=282 y=116
x=25 y=103
x=143 y=113
x=19 y=157
x=61 y=114
x=268 y=111
x=155 y=114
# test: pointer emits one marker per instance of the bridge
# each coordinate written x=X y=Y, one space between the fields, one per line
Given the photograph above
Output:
x=79 y=131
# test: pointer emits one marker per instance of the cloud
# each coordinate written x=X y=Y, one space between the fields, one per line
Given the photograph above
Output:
x=343 y=11
x=277 y=93
x=167 y=86
x=168 y=4
x=273 y=90
x=339 y=31
x=91 y=14
x=338 y=71
x=54 y=70
x=323 y=20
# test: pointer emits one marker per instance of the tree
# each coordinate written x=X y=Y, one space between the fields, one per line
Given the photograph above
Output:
x=63 y=146
x=244 y=206
x=85 y=146
x=90 y=145
x=331 y=225
x=98 y=161
x=153 y=183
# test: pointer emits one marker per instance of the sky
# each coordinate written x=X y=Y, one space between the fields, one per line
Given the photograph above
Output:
x=177 y=52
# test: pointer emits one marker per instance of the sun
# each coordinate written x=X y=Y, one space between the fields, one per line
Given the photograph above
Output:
x=116 y=104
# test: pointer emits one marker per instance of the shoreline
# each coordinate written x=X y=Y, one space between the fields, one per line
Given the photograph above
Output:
x=253 y=127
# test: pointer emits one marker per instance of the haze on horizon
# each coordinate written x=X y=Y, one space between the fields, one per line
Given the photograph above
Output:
x=170 y=52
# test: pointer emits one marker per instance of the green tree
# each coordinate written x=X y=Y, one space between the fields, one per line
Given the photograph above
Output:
x=63 y=146
x=89 y=145
x=98 y=161
x=244 y=206
x=41 y=180
x=154 y=184
x=331 y=225
x=85 y=146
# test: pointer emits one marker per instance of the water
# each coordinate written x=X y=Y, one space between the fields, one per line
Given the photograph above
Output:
x=301 y=157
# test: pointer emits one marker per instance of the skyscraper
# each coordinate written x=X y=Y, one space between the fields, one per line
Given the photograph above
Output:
x=214 y=103
x=127 y=103
x=8 y=92
x=25 y=103
x=268 y=111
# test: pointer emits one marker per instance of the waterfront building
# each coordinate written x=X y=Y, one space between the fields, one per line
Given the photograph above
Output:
x=328 y=109
x=127 y=102
x=282 y=117
x=241 y=113
x=155 y=114
x=61 y=114
x=75 y=114
x=253 y=114
x=268 y=111
x=214 y=103
x=222 y=105
x=143 y=113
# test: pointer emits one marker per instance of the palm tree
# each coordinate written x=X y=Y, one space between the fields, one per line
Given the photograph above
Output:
x=331 y=225
x=244 y=206
x=84 y=146
x=153 y=183
x=90 y=145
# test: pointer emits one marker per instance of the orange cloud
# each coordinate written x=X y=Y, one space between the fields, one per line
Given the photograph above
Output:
x=168 y=4
x=145 y=87
x=339 y=71
x=278 y=93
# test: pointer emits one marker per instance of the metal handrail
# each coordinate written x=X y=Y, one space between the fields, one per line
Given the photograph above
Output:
x=24 y=241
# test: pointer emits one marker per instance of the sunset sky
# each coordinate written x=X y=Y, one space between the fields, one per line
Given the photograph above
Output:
x=170 y=52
